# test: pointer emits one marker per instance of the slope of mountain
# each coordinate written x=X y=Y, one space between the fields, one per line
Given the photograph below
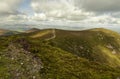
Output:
x=102 y=43
x=61 y=54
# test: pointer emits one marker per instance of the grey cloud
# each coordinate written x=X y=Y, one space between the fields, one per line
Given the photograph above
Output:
x=99 y=5
x=8 y=7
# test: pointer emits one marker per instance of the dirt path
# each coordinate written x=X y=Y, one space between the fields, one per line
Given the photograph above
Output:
x=54 y=35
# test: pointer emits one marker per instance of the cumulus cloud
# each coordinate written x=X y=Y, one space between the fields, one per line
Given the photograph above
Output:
x=51 y=5
x=77 y=10
x=62 y=11
x=59 y=9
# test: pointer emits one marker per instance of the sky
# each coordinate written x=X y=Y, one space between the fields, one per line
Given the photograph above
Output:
x=59 y=13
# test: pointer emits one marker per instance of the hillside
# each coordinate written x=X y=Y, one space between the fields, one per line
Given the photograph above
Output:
x=61 y=54
x=102 y=43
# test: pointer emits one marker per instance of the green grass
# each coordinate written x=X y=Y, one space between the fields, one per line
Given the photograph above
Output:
x=71 y=55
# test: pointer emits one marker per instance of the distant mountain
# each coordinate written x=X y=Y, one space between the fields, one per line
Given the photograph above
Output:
x=4 y=32
x=61 y=54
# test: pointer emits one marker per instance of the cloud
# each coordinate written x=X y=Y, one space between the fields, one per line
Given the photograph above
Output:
x=13 y=18
x=9 y=12
x=99 y=5
x=51 y=5
x=83 y=11
x=103 y=19
x=39 y=17
x=9 y=6
x=60 y=12
x=59 y=9
x=70 y=5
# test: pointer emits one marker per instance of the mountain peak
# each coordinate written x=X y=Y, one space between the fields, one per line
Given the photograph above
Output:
x=32 y=30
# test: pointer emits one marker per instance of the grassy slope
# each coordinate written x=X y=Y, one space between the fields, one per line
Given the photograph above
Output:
x=71 y=55
x=93 y=45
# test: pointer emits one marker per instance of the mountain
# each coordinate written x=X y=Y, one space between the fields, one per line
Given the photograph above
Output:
x=99 y=45
x=4 y=32
x=32 y=30
x=61 y=54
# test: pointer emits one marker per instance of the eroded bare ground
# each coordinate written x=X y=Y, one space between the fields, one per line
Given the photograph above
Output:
x=21 y=64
